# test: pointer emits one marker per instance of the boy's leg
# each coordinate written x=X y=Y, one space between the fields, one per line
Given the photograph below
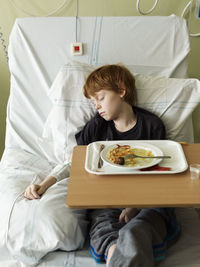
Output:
x=109 y=254
x=104 y=231
x=142 y=241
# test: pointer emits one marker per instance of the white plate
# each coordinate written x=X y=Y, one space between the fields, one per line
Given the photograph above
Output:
x=154 y=149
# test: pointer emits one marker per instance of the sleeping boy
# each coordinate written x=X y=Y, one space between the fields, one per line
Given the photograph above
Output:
x=122 y=237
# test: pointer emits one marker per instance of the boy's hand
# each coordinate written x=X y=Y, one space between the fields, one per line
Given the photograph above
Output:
x=34 y=191
x=127 y=214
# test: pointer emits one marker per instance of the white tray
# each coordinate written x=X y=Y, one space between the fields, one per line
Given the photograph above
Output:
x=177 y=162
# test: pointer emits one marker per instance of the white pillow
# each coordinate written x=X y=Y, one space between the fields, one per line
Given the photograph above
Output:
x=71 y=110
x=173 y=100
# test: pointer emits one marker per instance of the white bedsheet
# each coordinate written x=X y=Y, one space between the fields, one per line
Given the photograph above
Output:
x=16 y=174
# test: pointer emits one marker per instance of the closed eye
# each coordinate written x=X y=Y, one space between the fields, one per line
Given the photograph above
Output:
x=100 y=98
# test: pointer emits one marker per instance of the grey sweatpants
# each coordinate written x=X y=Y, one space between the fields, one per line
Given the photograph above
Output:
x=139 y=243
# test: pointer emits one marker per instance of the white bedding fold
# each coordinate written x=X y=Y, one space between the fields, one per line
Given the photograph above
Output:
x=32 y=228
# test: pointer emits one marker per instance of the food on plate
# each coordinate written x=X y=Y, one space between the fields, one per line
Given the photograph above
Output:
x=117 y=155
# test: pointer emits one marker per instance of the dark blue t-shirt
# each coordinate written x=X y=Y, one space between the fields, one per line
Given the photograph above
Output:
x=148 y=127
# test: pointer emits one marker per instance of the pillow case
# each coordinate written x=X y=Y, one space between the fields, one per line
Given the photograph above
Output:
x=70 y=111
x=173 y=100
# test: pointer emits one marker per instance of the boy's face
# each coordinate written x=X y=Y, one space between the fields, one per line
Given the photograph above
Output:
x=108 y=103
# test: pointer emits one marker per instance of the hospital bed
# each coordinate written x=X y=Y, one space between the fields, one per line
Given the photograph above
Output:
x=45 y=95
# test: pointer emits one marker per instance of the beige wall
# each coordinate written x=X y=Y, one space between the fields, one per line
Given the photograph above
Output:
x=8 y=14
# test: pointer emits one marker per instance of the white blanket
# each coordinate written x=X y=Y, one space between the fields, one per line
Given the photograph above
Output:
x=31 y=229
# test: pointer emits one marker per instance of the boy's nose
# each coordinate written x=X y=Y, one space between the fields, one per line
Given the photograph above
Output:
x=97 y=106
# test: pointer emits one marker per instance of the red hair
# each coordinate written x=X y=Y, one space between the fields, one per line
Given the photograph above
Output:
x=111 y=77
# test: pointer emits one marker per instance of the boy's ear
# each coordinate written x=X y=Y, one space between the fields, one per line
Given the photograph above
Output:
x=122 y=92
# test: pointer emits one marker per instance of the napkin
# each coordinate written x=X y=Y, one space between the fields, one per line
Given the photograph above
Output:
x=95 y=149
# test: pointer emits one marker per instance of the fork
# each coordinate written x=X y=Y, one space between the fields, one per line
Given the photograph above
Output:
x=145 y=157
x=121 y=160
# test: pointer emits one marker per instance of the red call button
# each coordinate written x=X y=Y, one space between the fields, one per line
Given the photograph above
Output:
x=76 y=48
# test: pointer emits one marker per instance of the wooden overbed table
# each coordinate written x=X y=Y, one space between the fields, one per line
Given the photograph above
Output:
x=87 y=190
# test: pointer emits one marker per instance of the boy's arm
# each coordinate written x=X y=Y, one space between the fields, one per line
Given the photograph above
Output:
x=61 y=171
x=158 y=131
x=88 y=134
x=48 y=181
